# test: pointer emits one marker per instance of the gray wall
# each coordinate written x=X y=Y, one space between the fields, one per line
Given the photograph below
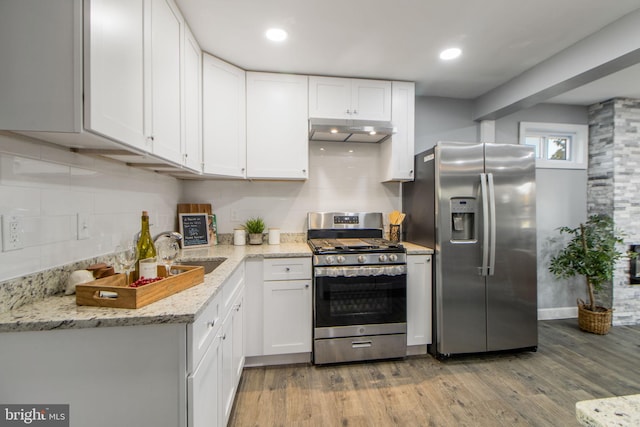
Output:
x=561 y=193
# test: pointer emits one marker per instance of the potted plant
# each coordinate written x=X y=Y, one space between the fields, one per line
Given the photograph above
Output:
x=255 y=227
x=590 y=252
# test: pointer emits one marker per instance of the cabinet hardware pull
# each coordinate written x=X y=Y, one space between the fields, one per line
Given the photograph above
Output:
x=287 y=269
x=224 y=337
x=211 y=324
x=355 y=111
x=306 y=286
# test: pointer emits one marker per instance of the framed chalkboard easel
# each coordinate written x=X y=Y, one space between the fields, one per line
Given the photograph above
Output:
x=194 y=228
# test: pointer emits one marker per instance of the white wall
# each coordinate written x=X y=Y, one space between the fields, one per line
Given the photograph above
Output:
x=341 y=177
x=47 y=186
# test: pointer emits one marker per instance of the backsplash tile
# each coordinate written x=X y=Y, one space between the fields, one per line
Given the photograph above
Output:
x=48 y=186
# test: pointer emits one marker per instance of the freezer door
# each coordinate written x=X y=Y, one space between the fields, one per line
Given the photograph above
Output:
x=459 y=297
x=511 y=284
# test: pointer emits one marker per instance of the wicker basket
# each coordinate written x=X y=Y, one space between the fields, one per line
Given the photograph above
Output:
x=596 y=322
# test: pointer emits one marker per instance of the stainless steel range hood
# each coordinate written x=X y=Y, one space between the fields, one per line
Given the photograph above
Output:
x=349 y=130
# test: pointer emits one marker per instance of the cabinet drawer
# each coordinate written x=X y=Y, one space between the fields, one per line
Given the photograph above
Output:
x=287 y=268
x=202 y=331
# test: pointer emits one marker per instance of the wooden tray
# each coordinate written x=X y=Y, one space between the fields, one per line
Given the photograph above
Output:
x=121 y=296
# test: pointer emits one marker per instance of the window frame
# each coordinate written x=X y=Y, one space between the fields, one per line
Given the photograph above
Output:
x=577 y=153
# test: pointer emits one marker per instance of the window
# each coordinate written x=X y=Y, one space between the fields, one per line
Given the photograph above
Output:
x=557 y=145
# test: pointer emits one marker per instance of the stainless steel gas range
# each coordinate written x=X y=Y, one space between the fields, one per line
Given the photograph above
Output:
x=360 y=288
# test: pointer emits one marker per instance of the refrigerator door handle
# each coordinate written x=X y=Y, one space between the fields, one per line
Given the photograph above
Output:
x=492 y=225
x=485 y=224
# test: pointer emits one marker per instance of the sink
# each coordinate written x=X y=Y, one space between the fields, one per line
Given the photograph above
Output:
x=209 y=264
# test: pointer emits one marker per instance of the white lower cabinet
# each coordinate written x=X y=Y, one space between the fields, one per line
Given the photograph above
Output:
x=213 y=383
x=204 y=388
x=287 y=316
x=287 y=299
x=232 y=354
x=110 y=376
x=418 y=300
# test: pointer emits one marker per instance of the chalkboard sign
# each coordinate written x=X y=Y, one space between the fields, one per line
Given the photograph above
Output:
x=195 y=229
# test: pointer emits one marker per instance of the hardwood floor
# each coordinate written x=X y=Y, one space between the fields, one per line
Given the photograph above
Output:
x=524 y=389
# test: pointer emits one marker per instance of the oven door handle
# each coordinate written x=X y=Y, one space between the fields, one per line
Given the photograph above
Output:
x=364 y=271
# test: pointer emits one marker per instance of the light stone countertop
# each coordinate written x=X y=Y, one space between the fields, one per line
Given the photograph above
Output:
x=620 y=411
x=61 y=312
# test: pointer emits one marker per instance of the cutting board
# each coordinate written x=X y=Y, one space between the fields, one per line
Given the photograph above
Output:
x=195 y=208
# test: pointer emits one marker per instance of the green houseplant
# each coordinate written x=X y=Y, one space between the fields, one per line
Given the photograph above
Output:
x=590 y=252
x=255 y=227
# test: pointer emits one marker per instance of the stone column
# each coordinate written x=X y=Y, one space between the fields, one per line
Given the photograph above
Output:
x=613 y=188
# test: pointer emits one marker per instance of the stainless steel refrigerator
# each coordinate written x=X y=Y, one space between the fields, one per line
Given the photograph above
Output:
x=475 y=205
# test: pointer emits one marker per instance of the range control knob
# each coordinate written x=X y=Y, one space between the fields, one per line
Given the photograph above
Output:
x=382 y=258
x=341 y=259
x=393 y=257
x=329 y=259
x=362 y=259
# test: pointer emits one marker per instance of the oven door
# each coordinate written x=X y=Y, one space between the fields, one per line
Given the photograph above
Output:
x=360 y=300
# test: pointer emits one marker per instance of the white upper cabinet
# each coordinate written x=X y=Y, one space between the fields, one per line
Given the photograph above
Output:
x=224 y=118
x=165 y=28
x=192 y=98
x=114 y=60
x=41 y=65
x=357 y=99
x=398 y=151
x=131 y=57
x=277 y=126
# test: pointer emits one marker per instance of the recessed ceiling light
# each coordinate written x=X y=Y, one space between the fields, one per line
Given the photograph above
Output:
x=451 y=53
x=276 y=34
x=334 y=131
x=373 y=132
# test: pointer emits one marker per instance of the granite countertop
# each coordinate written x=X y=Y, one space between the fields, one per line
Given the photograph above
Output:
x=612 y=411
x=61 y=312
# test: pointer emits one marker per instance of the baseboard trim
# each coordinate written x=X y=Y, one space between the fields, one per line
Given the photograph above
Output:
x=557 y=313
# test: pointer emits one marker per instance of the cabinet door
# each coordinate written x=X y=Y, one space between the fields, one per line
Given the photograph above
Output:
x=114 y=70
x=41 y=65
x=204 y=386
x=287 y=317
x=254 y=305
x=192 y=91
x=165 y=41
x=370 y=100
x=398 y=151
x=329 y=98
x=418 y=299
x=238 y=339
x=277 y=126
x=224 y=118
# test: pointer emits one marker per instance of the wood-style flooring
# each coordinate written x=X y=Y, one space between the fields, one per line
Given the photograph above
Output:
x=524 y=389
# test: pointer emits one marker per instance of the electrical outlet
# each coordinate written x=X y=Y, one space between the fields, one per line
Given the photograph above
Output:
x=83 y=226
x=11 y=233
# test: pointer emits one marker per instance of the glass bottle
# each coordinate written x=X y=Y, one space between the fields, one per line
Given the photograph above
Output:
x=147 y=265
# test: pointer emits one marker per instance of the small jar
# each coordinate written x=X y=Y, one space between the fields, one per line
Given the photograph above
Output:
x=239 y=237
x=274 y=236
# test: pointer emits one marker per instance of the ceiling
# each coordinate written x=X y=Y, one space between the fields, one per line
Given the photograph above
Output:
x=401 y=39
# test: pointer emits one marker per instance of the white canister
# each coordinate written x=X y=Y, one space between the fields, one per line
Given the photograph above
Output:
x=274 y=236
x=239 y=237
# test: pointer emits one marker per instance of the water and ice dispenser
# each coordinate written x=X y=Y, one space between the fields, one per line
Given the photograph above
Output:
x=463 y=218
